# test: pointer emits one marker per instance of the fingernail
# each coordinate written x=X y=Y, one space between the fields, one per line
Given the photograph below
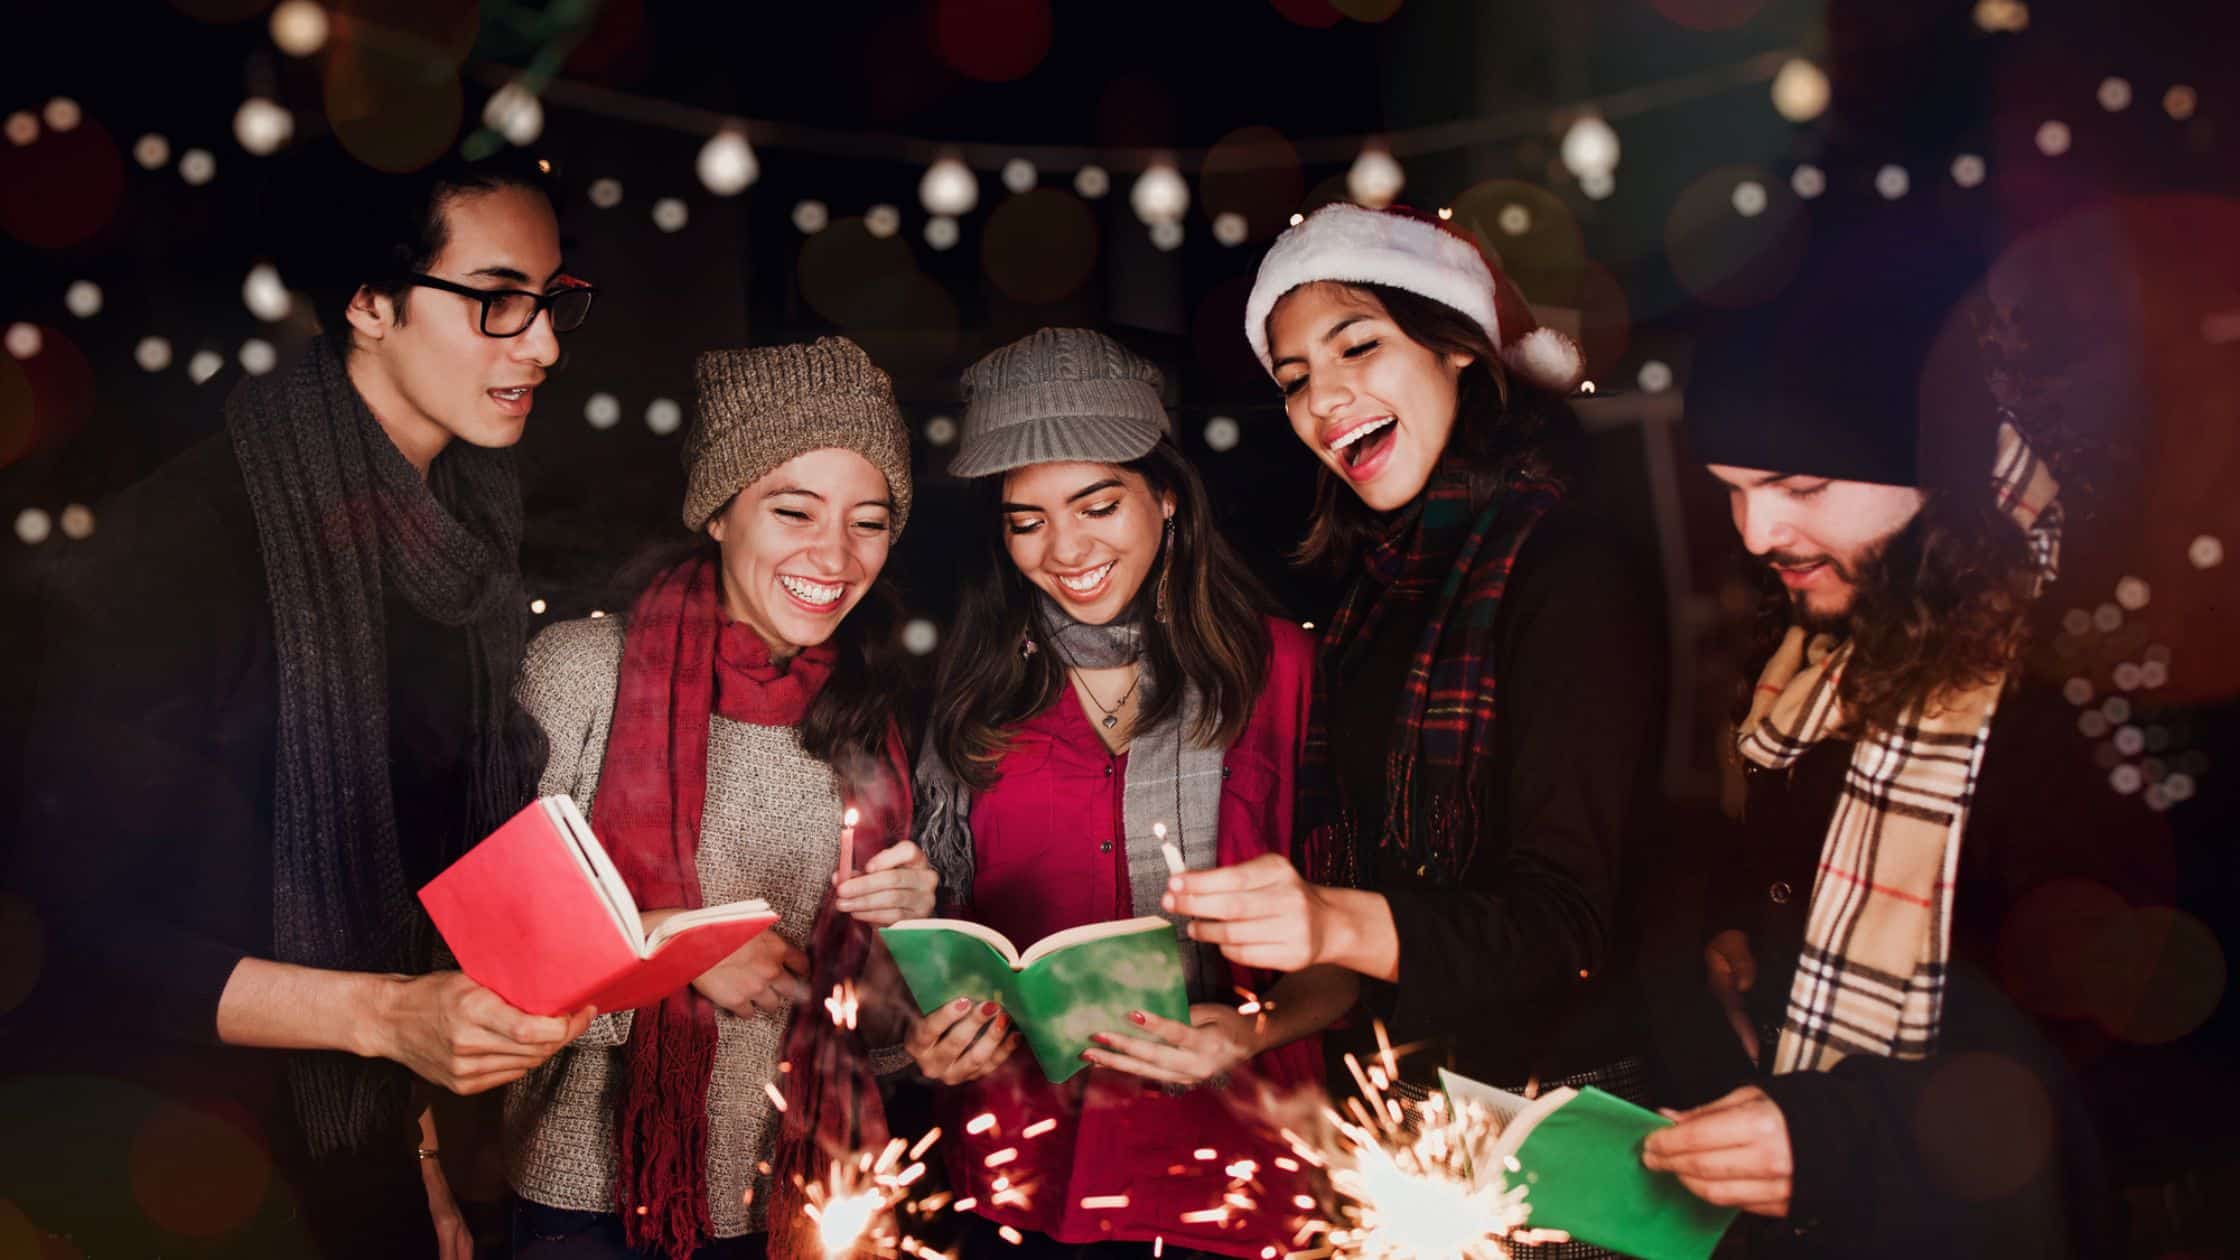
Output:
x=963 y=1003
x=1167 y=902
x=987 y=1009
x=1135 y=1017
x=1088 y=1056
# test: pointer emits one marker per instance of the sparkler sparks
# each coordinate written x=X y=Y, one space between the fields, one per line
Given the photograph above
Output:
x=843 y=1005
x=863 y=1204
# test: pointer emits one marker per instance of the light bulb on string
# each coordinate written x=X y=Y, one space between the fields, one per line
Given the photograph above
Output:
x=882 y=221
x=1092 y=182
x=1590 y=146
x=513 y=111
x=63 y=114
x=1800 y=91
x=264 y=294
x=1598 y=185
x=941 y=232
x=606 y=193
x=949 y=187
x=810 y=217
x=670 y=214
x=1230 y=228
x=1167 y=236
x=1019 y=175
x=1375 y=178
x=22 y=127
x=299 y=27
x=1160 y=195
x=262 y=126
x=1808 y=181
x=151 y=151
x=727 y=164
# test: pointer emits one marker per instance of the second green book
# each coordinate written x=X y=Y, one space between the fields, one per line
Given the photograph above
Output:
x=1062 y=991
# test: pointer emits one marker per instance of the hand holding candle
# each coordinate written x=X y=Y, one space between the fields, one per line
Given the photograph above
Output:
x=848 y=844
x=1167 y=848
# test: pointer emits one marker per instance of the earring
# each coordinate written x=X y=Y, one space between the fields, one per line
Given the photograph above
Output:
x=1026 y=644
x=1166 y=566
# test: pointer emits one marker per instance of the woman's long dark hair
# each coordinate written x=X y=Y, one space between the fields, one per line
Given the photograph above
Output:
x=1502 y=428
x=1214 y=636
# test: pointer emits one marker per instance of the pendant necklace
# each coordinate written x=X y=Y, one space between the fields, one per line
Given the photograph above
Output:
x=1112 y=715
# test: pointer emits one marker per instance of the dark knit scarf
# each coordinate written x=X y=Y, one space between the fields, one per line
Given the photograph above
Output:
x=1438 y=771
x=682 y=662
x=341 y=518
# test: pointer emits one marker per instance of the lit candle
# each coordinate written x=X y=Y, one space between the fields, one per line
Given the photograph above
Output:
x=1166 y=848
x=848 y=844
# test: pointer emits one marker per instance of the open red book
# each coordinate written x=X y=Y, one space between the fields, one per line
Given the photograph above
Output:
x=538 y=914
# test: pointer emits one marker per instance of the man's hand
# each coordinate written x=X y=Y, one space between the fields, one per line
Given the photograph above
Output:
x=1216 y=1039
x=765 y=974
x=956 y=1044
x=1733 y=1152
x=896 y=884
x=1730 y=969
x=457 y=1034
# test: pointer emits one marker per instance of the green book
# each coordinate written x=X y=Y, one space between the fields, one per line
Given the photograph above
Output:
x=1063 y=990
x=1578 y=1152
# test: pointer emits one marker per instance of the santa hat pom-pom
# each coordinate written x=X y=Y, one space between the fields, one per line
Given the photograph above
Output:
x=1547 y=359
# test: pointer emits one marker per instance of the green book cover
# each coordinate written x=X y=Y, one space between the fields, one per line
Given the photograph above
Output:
x=1059 y=992
x=1578 y=1152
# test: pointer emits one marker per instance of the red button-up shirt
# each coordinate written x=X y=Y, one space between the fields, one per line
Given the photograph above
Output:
x=1049 y=853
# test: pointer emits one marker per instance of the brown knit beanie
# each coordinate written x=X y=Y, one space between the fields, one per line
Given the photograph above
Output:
x=757 y=408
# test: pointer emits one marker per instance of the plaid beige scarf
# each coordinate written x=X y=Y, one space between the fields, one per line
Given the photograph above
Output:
x=1870 y=978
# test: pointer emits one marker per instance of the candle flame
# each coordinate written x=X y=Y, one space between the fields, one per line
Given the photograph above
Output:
x=848 y=819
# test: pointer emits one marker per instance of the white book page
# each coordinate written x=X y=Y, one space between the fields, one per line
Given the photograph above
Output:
x=1514 y=1133
x=686 y=920
x=1056 y=941
x=994 y=940
x=601 y=869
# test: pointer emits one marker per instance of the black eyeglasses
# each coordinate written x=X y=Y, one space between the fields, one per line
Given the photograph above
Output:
x=509 y=312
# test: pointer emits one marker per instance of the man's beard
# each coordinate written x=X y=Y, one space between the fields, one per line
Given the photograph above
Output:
x=1820 y=621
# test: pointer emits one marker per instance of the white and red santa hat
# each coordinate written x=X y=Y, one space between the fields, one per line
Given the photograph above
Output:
x=1403 y=250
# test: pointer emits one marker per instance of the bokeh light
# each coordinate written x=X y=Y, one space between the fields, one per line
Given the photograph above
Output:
x=2179 y=102
x=299 y=27
x=82 y=299
x=33 y=526
x=1167 y=236
x=1800 y=91
x=1590 y=147
x=1375 y=178
x=197 y=167
x=1092 y=182
x=1967 y=170
x=1749 y=199
x=264 y=294
x=810 y=217
x=1230 y=228
x=261 y=126
x=882 y=221
x=670 y=215
x=63 y=190
x=513 y=111
x=606 y=194
x=1983 y=1125
x=920 y=636
x=1253 y=172
x=204 y=365
x=949 y=187
x=1726 y=260
x=726 y=164
x=994 y=41
x=1808 y=182
x=151 y=151
x=1222 y=434
x=1892 y=182
x=942 y=232
x=664 y=416
x=388 y=105
x=2114 y=94
x=194 y=1174
x=22 y=128
x=1159 y=195
x=2053 y=138
x=941 y=430
x=76 y=521
x=1039 y=246
x=62 y=114
x=602 y=410
x=2205 y=552
x=153 y=354
x=1655 y=377
x=258 y=357
x=1534 y=233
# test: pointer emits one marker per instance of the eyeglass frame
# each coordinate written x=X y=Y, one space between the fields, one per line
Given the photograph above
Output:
x=544 y=301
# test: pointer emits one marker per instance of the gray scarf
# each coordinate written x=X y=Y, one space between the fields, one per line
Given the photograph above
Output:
x=1169 y=780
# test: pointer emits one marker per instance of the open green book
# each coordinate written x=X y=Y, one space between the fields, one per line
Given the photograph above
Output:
x=1579 y=1154
x=1065 y=989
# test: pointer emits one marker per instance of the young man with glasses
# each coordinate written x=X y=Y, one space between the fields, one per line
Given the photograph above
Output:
x=277 y=697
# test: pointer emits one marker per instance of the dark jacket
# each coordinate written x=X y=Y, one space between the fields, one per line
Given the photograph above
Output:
x=1523 y=967
x=1992 y=1145
x=145 y=849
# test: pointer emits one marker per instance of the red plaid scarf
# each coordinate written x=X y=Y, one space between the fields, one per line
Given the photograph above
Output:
x=1441 y=751
x=682 y=661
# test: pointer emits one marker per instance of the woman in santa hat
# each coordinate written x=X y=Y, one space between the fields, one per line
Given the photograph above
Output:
x=1496 y=665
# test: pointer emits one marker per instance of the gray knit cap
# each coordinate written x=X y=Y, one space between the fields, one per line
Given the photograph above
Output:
x=757 y=408
x=1059 y=394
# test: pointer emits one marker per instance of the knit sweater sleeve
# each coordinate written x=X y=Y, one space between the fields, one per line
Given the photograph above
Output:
x=1580 y=674
x=568 y=685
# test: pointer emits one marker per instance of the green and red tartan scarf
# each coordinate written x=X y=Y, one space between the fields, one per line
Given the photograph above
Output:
x=1439 y=764
x=1878 y=937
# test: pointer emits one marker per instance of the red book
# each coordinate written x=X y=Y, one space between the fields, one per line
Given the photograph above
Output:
x=537 y=914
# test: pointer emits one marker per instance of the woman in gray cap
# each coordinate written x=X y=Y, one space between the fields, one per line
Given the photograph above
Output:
x=1115 y=671
x=715 y=738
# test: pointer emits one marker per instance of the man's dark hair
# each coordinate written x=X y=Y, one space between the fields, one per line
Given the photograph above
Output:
x=373 y=231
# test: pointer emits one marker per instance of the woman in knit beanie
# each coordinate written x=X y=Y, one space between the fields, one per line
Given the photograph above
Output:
x=1115 y=675
x=714 y=739
x=1468 y=841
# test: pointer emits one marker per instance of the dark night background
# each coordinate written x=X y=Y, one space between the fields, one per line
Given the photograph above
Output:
x=2132 y=233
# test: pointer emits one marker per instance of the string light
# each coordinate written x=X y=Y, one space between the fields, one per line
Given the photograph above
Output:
x=537 y=607
x=1160 y=196
x=1749 y=199
x=1590 y=146
x=1598 y=185
x=1655 y=377
x=2206 y=552
x=949 y=187
x=299 y=27
x=1967 y=170
x=810 y=217
x=151 y=151
x=33 y=526
x=62 y=114
x=1808 y=181
x=1800 y=91
x=197 y=167
x=1019 y=175
x=1892 y=182
x=2053 y=138
x=264 y=294
x=941 y=430
x=24 y=342
x=602 y=410
x=2133 y=593
x=153 y=354
x=1230 y=228
x=606 y=193
x=77 y=522
x=513 y=111
x=1092 y=182
x=258 y=357
x=204 y=365
x=727 y=165
x=1222 y=434
x=2114 y=94
x=2179 y=102
x=942 y=232
x=82 y=299
x=882 y=221
x=1167 y=236
x=262 y=126
x=920 y=636
x=1515 y=219
x=22 y=127
x=1375 y=178
x=664 y=416
x=670 y=215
